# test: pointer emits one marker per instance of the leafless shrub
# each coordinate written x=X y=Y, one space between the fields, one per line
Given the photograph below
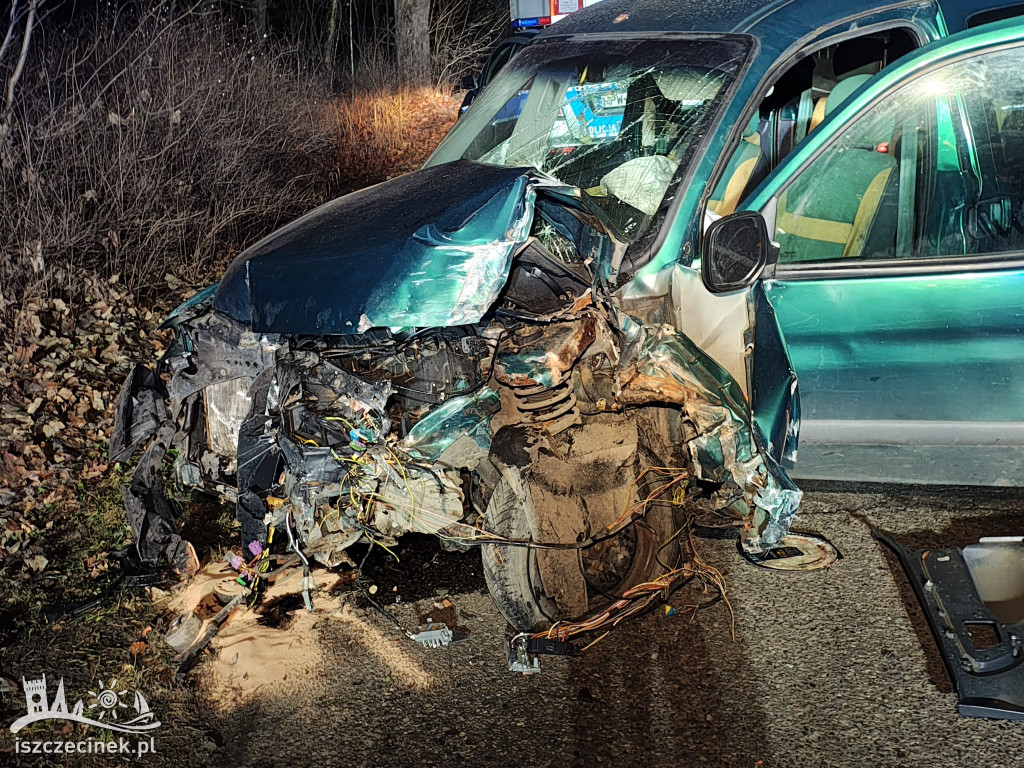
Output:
x=154 y=148
x=461 y=39
x=462 y=33
x=151 y=148
x=375 y=68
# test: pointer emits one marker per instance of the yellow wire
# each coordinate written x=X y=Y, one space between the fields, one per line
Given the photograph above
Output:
x=385 y=548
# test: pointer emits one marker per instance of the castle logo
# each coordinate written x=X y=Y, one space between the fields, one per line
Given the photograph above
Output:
x=125 y=710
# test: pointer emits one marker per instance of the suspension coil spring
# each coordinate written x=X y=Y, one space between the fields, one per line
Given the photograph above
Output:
x=552 y=407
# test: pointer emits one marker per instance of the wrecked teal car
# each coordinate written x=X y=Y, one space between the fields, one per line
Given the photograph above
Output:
x=513 y=348
x=908 y=369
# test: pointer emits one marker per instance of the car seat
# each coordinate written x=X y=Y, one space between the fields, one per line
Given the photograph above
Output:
x=746 y=169
x=827 y=215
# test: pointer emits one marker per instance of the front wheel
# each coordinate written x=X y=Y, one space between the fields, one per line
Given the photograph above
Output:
x=638 y=553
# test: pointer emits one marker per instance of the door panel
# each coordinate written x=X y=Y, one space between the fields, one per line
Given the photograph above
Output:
x=900 y=280
x=940 y=347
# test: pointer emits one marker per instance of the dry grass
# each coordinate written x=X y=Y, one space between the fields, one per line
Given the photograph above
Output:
x=384 y=134
x=154 y=152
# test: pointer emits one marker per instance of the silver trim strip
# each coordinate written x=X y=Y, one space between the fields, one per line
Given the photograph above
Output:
x=944 y=433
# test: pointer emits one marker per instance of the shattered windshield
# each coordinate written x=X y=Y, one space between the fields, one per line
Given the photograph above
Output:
x=614 y=117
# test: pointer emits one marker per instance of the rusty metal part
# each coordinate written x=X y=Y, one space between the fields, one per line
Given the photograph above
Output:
x=544 y=355
x=641 y=389
x=554 y=408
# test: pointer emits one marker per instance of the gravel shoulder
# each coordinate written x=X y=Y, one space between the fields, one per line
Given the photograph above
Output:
x=827 y=669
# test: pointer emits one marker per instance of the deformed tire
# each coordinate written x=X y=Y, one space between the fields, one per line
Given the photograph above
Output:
x=513 y=576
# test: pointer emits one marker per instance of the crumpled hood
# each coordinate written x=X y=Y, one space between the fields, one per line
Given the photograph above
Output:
x=429 y=249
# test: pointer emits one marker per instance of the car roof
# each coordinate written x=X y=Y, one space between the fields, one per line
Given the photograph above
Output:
x=756 y=17
x=669 y=16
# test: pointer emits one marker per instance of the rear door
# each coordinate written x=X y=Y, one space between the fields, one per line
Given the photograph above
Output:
x=900 y=281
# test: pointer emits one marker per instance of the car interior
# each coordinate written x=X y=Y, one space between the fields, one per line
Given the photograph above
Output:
x=797 y=103
x=617 y=131
x=928 y=172
x=628 y=172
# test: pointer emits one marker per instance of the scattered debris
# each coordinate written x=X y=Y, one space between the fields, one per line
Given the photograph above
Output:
x=183 y=631
x=128 y=575
x=519 y=659
x=188 y=657
x=432 y=635
x=974 y=601
x=794 y=552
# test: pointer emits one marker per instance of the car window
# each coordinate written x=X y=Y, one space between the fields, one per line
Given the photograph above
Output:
x=615 y=118
x=497 y=60
x=932 y=169
x=797 y=103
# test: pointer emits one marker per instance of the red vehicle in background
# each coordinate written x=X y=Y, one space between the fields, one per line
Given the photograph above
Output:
x=529 y=17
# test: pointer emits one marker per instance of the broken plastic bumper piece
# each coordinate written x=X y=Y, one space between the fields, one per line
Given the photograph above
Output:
x=974 y=600
x=525 y=650
x=519 y=658
x=433 y=635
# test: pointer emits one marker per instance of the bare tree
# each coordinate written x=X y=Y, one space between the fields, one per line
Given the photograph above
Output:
x=412 y=42
x=19 y=67
x=461 y=37
x=259 y=16
x=331 y=39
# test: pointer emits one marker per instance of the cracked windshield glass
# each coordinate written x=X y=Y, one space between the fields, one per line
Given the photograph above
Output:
x=615 y=118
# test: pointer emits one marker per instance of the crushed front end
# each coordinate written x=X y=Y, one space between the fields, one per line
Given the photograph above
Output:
x=511 y=368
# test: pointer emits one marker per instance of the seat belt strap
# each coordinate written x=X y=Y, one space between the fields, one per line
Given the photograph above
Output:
x=866 y=214
x=810 y=228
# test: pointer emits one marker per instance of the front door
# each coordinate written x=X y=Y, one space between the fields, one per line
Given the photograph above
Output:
x=900 y=280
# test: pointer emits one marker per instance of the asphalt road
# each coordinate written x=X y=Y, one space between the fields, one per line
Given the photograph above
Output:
x=831 y=668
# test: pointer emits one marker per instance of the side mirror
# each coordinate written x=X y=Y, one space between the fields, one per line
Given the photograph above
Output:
x=736 y=250
x=468 y=82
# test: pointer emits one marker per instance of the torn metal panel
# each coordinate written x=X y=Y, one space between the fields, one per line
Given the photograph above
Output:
x=974 y=601
x=138 y=413
x=738 y=384
x=462 y=416
x=228 y=350
x=728 y=447
x=431 y=249
x=718 y=323
x=154 y=519
x=774 y=390
x=542 y=355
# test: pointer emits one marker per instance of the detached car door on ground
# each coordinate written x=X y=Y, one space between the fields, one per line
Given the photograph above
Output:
x=900 y=277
